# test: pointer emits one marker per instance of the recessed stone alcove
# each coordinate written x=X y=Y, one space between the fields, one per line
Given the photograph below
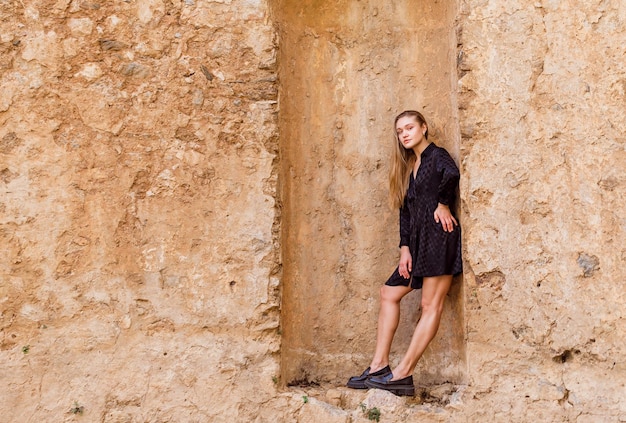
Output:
x=346 y=68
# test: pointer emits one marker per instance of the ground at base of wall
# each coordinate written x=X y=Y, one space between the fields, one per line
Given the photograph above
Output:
x=437 y=403
x=334 y=404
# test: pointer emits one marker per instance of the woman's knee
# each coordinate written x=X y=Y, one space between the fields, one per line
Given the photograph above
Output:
x=393 y=293
x=431 y=306
x=434 y=293
x=385 y=295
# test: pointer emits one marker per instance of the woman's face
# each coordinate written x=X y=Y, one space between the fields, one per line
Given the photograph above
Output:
x=410 y=133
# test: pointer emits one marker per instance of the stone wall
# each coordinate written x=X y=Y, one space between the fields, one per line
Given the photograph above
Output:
x=140 y=263
x=541 y=95
x=152 y=188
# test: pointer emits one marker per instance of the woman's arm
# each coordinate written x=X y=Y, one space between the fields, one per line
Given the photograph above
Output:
x=447 y=191
x=449 y=178
x=405 y=224
x=442 y=214
x=405 y=267
x=406 y=262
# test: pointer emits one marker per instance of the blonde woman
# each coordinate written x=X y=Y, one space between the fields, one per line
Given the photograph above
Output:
x=423 y=184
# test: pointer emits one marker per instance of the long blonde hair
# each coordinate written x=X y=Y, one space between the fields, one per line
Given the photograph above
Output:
x=402 y=161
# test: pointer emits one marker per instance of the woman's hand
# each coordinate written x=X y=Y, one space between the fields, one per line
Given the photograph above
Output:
x=442 y=215
x=406 y=262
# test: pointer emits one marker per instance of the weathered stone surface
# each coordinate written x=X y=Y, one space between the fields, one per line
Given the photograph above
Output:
x=138 y=217
x=141 y=208
x=315 y=411
x=542 y=201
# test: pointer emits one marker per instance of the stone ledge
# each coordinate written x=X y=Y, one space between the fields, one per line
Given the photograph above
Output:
x=339 y=404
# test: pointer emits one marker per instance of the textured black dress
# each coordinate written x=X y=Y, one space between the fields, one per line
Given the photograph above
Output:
x=434 y=251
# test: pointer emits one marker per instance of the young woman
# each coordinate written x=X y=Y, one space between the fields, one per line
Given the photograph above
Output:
x=423 y=183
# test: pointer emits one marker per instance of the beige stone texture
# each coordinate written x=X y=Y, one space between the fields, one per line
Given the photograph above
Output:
x=543 y=182
x=193 y=212
x=140 y=266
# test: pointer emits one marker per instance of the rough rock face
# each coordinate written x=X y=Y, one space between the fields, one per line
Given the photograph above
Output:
x=139 y=229
x=145 y=215
x=544 y=175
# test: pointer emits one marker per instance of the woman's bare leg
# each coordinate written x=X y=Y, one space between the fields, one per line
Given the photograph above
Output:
x=388 y=318
x=434 y=293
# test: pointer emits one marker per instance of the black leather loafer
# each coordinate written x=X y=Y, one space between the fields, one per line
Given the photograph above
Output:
x=400 y=387
x=358 y=382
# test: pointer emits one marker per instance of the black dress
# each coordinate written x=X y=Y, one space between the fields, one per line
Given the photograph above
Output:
x=434 y=251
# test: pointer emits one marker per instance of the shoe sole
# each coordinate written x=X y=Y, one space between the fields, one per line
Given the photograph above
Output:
x=360 y=385
x=403 y=392
x=399 y=390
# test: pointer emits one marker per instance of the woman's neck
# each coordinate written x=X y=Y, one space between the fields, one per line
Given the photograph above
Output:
x=419 y=148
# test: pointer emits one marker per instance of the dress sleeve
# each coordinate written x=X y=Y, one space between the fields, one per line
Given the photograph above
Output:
x=405 y=224
x=449 y=178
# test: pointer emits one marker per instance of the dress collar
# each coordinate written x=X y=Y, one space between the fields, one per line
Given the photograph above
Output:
x=428 y=150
